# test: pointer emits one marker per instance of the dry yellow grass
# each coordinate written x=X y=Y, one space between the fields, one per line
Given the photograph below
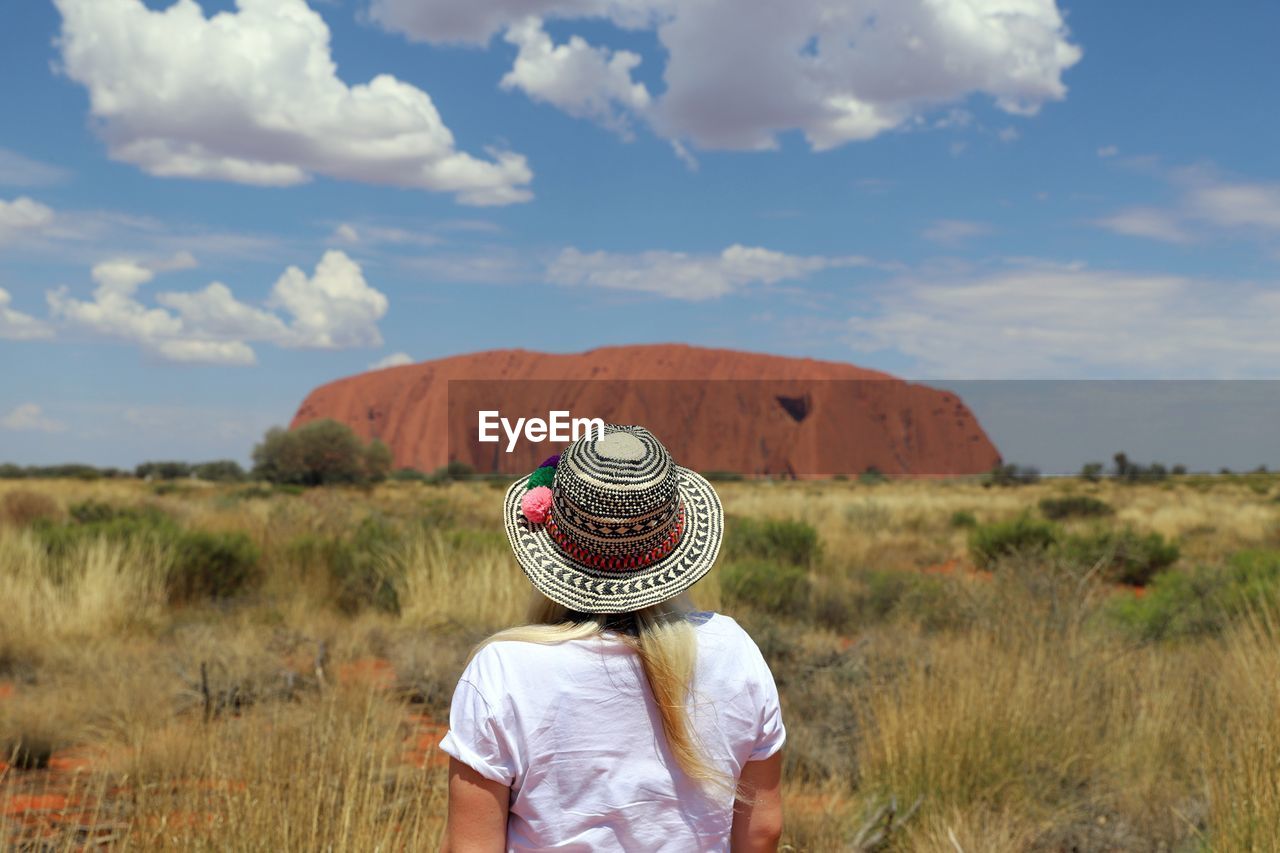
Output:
x=1020 y=720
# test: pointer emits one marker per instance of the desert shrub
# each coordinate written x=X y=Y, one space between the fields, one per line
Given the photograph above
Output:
x=1125 y=555
x=220 y=471
x=872 y=476
x=1011 y=475
x=363 y=568
x=162 y=470
x=778 y=540
x=377 y=461
x=1128 y=471
x=22 y=507
x=212 y=565
x=407 y=475
x=781 y=589
x=963 y=519
x=1201 y=601
x=988 y=543
x=722 y=476
x=453 y=471
x=98 y=512
x=143 y=525
x=1074 y=506
x=1091 y=471
x=319 y=453
x=879 y=595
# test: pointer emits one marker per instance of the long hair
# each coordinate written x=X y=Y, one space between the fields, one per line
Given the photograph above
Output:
x=667 y=645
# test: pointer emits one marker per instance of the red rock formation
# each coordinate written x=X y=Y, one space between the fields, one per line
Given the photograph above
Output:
x=714 y=409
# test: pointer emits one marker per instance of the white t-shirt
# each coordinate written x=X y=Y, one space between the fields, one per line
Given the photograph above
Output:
x=573 y=730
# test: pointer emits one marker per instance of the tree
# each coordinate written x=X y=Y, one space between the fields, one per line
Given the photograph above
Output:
x=1122 y=465
x=319 y=453
x=220 y=470
x=162 y=470
x=1092 y=471
x=377 y=461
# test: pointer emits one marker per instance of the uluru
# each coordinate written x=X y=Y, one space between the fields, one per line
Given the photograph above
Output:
x=714 y=409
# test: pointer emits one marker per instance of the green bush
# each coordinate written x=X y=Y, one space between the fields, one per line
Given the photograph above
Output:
x=1125 y=556
x=778 y=540
x=781 y=589
x=363 y=567
x=407 y=475
x=963 y=519
x=220 y=471
x=721 y=476
x=1074 y=506
x=145 y=525
x=162 y=470
x=872 y=476
x=1011 y=475
x=989 y=543
x=318 y=453
x=212 y=565
x=867 y=597
x=455 y=470
x=1202 y=601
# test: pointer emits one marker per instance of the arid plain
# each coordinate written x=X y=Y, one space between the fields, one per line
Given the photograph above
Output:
x=1053 y=666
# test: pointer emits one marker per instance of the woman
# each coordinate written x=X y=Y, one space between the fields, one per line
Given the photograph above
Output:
x=620 y=719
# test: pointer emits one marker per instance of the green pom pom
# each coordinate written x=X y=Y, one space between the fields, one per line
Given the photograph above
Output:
x=541 y=477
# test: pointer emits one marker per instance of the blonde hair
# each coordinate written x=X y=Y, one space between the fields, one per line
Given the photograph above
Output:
x=667 y=645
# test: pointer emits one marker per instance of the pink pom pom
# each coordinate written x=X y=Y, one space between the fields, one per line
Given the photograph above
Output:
x=536 y=504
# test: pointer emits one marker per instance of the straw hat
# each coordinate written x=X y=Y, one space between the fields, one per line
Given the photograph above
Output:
x=615 y=525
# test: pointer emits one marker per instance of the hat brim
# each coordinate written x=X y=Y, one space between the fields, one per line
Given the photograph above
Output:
x=588 y=589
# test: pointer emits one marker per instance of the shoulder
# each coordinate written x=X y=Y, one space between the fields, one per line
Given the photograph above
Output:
x=721 y=627
x=721 y=635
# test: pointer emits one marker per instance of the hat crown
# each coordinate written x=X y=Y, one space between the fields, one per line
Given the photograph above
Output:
x=618 y=495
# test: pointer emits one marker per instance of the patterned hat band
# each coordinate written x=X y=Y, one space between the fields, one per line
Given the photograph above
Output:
x=617 y=562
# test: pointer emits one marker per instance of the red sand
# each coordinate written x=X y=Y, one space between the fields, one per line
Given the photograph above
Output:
x=736 y=424
x=21 y=804
x=375 y=672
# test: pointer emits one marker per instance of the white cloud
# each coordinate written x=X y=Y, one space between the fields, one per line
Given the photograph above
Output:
x=18 y=170
x=582 y=80
x=369 y=235
x=1237 y=205
x=333 y=308
x=30 y=416
x=396 y=359
x=345 y=233
x=953 y=232
x=1108 y=151
x=1008 y=134
x=16 y=326
x=1147 y=222
x=1206 y=203
x=678 y=275
x=1072 y=322
x=737 y=75
x=253 y=96
x=22 y=217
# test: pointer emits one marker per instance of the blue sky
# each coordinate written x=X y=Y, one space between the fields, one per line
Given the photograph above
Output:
x=975 y=189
